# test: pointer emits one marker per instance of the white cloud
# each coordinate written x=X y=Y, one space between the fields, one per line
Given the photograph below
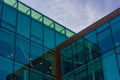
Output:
x=74 y=14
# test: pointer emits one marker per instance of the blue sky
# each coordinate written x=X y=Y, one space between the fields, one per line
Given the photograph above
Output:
x=74 y=14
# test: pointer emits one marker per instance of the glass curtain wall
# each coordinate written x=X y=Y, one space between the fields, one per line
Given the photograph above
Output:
x=27 y=42
x=95 y=55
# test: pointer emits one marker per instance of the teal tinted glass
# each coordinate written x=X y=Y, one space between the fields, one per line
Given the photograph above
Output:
x=6 y=68
x=118 y=57
x=7 y=43
x=60 y=38
x=115 y=25
x=37 y=31
x=6 y=53
x=49 y=37
x=36 y=50
x=23 y=25
x=21 y=71
x=22 y=50
x=104 y=38
x=109 y=64
x=67 y=60
x=0 y=9
x=35 y=74
x=9 y=14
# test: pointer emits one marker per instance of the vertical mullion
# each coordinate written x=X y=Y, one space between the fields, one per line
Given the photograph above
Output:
x=15 y=40
x=100 y=54
x=86 y=58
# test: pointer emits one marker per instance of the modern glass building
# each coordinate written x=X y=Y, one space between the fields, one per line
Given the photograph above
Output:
x=28 y=41
x=92 y=54
x=35 y=47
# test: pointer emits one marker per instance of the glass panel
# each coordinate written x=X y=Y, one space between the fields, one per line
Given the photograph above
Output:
x=36 y=70
x=116 y=31
x=6 y=68
x=7 y=43
x=103 y=27
x=23 y=8
x=67 y=60
x=60 y=38
x=110 y=66
x=37 y=16
x=95 y=69
x=8 y=26
x=69 y=33
x=105 y=38
x=91 y=37
x=37 y=31
x=21 y=72
x=36 y=74
x=48 y=22
x=36 y=51
x=49 y=37
x=117 y=50
x=9 y=15
x=0 y=9
x=78 y=53
x=22 y=50
x=23 y=25
x=92 y=48
x=118 y=57
x=59 y=28
x=49 y=65
x=12 y=3
x=81 y=76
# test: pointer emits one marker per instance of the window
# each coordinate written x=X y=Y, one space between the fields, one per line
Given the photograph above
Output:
x=115 y=25
x=37 y=31
x=9 y=15
x=22 y=50
x=105 y=40
x=49 y=37
x=23 y=26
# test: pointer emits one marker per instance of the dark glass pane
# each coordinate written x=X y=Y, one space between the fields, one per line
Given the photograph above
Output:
x=49 y=37
x=23 y=26
x=7 y=43
x=9 y=15
x=95 y=69
x=81 y=76
x=21 y=72
x=105 y=40
x=35 y=74
x=67 y=60
x=115 y=25
x=78 y=53
x=22 y=50
x=49 y=67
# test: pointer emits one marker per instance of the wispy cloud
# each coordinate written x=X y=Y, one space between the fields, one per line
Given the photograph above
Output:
x=74 y=14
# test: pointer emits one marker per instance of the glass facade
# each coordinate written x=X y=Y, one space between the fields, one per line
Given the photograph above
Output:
x=28 y=41
x=93 y=54
x=35 y=47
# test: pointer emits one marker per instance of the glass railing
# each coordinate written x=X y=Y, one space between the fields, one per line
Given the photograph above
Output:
x=39 y=17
